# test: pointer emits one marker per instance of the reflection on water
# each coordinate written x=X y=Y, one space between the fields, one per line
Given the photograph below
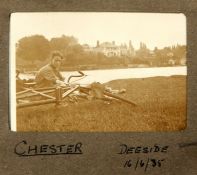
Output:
x=104 y=76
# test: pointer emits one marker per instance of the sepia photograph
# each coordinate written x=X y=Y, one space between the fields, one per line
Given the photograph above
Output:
x=97 y=72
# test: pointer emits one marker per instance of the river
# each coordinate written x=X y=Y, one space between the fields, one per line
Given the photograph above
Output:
x=104 y=76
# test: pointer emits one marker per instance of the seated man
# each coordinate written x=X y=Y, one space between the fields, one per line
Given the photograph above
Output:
x=49 y=75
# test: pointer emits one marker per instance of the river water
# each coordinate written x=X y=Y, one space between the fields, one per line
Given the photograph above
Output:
x=104 y=76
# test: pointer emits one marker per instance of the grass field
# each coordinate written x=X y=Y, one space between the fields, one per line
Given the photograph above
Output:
x=161 y=106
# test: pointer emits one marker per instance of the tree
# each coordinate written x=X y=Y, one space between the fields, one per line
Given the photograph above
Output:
x=33 y=48
x=179 y=52
x=63 y=43
x=143 y=52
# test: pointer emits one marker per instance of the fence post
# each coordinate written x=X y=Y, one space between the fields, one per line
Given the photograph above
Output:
x=58 y=93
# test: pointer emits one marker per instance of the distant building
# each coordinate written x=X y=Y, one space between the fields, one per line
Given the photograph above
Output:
x=87 y=48
x=110 y=49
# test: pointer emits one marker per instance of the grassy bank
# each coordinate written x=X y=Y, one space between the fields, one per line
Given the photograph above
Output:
x=161 y=107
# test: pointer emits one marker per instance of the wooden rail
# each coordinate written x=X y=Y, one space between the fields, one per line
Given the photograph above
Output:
x=57 y=98
x=59 y=94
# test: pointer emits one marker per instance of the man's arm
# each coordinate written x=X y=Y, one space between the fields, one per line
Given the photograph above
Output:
x=61 y=77
x=49 y=74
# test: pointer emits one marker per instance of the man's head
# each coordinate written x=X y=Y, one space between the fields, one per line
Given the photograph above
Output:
x=56 y=59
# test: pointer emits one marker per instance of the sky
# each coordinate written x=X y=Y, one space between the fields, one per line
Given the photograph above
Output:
x=154 y=29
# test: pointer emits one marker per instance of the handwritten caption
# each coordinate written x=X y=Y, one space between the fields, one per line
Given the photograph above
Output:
x=143 y=163
x=153 y=156
x=24 y=149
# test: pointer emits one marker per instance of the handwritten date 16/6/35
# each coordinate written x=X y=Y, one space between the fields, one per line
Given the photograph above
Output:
x=143 y=164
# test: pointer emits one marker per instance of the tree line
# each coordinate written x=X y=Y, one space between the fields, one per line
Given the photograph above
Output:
x=32 y=52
